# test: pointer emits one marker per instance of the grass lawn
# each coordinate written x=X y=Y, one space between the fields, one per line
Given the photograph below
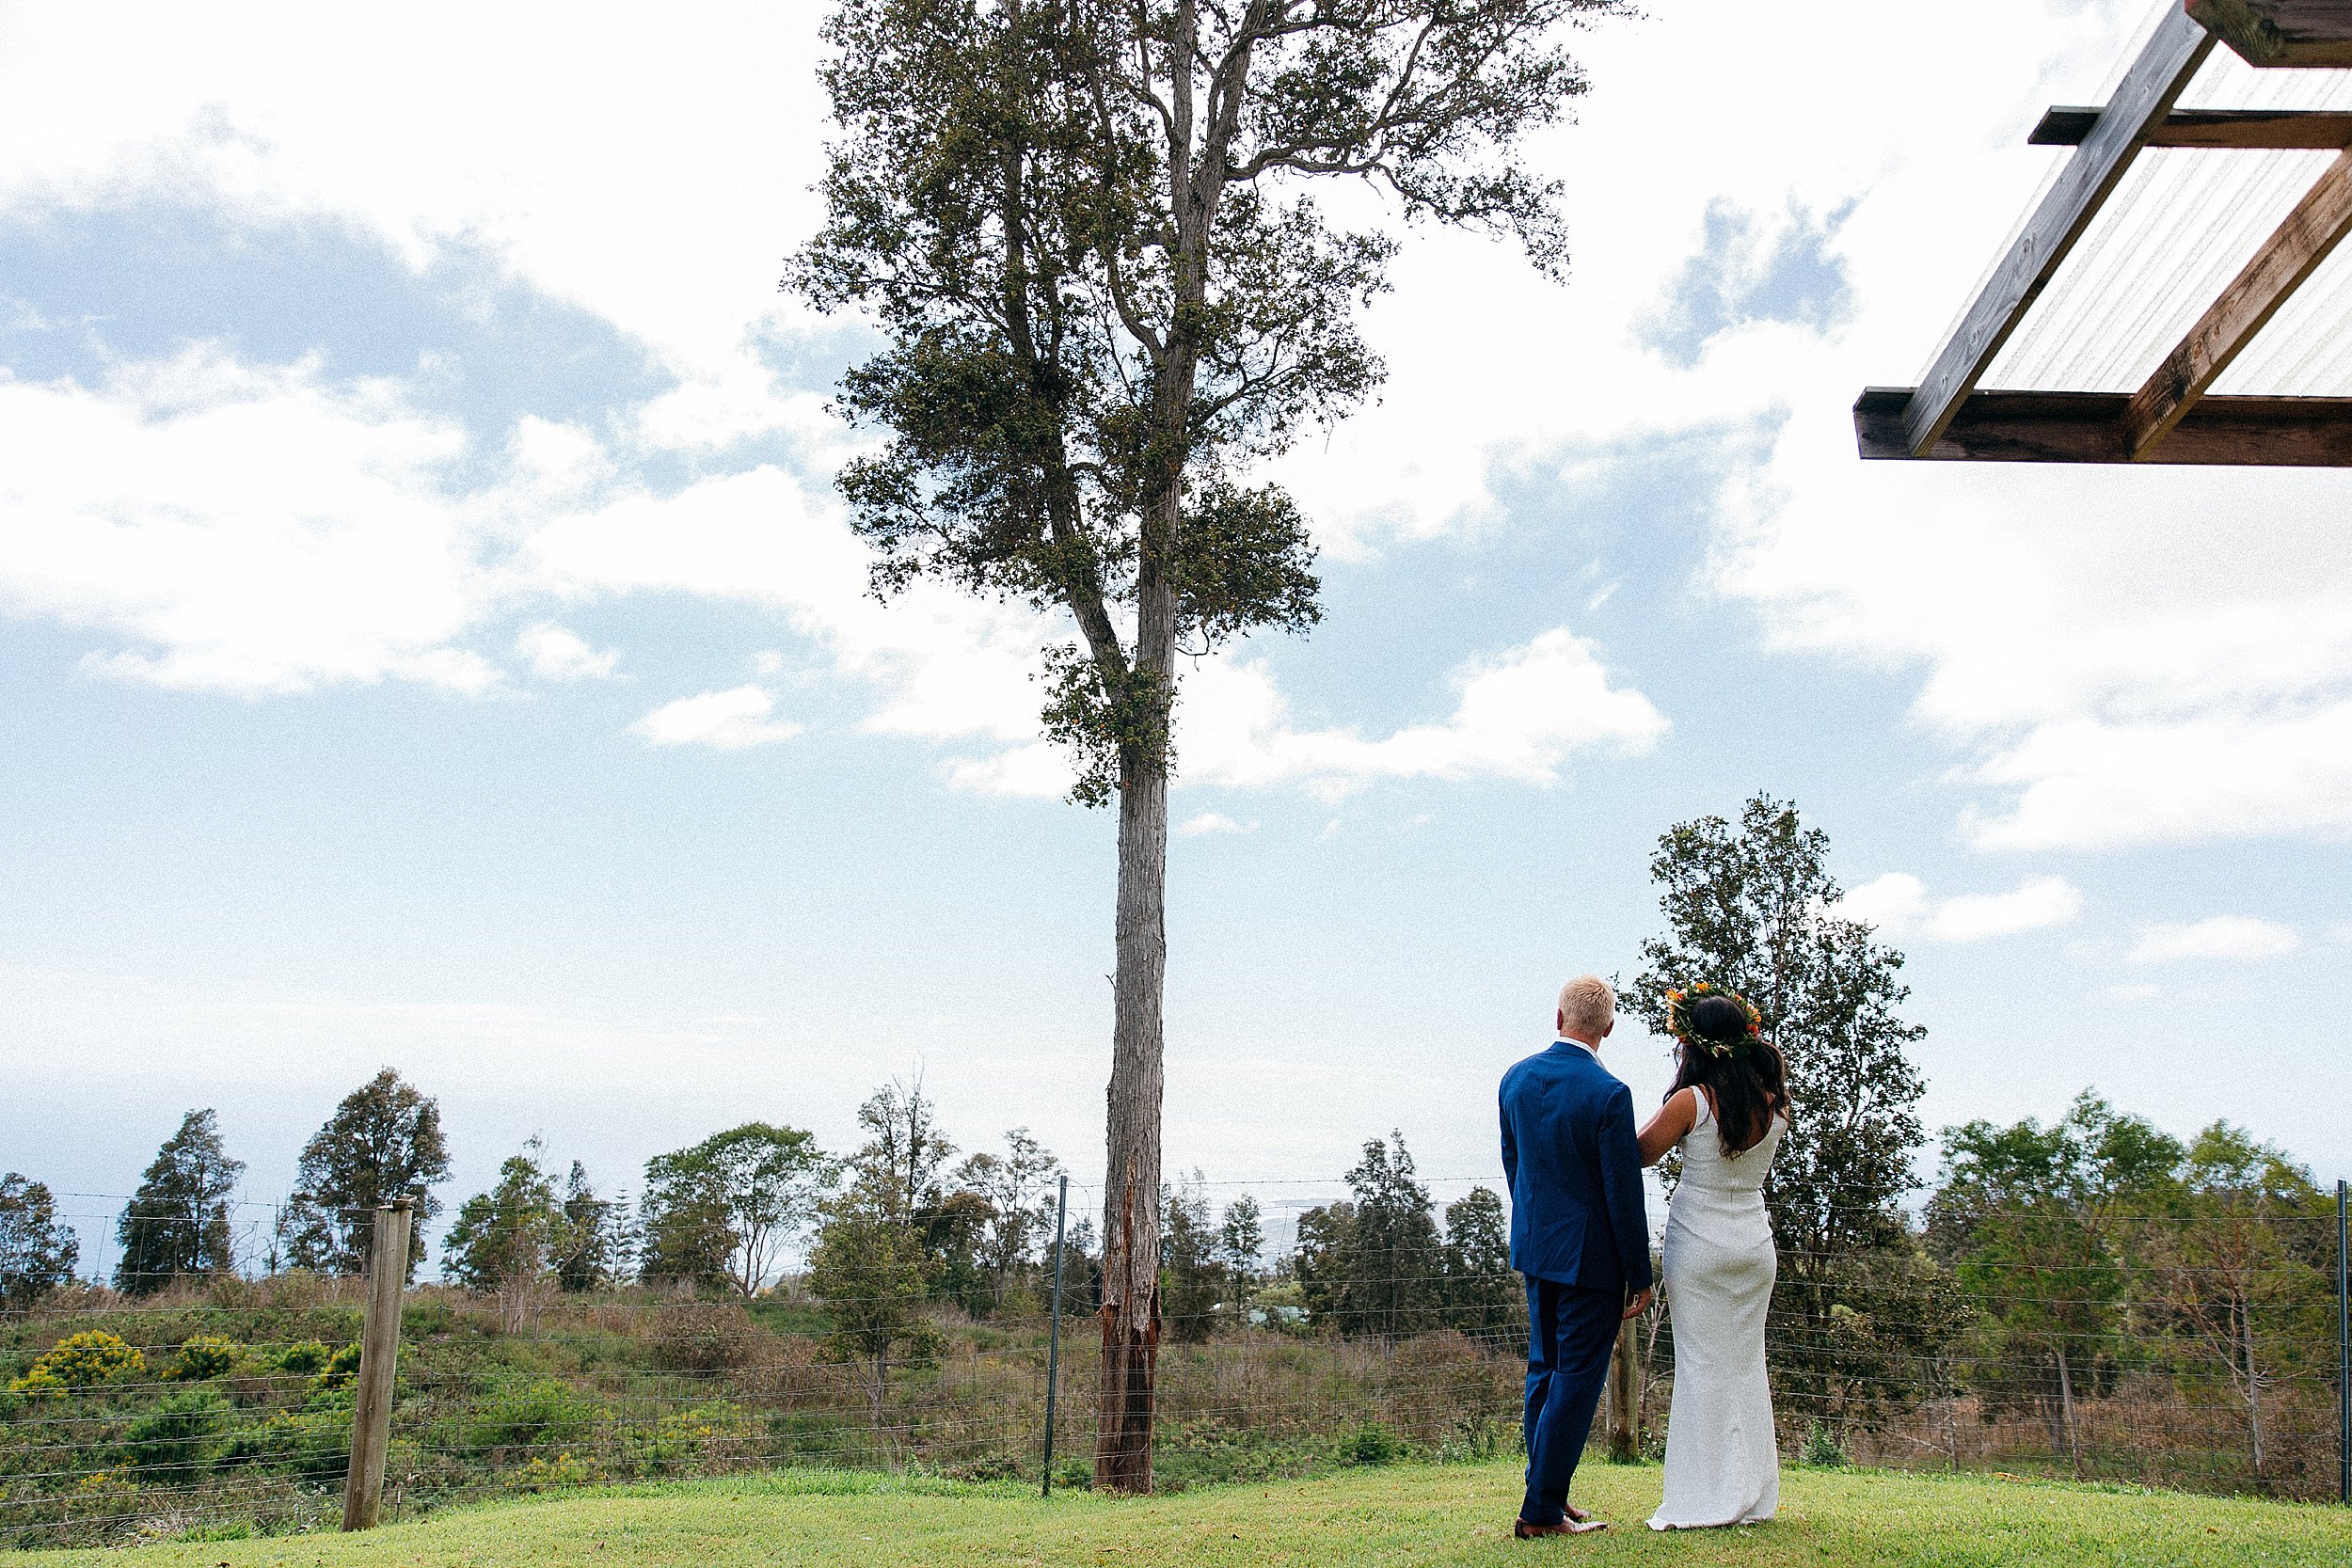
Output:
x=1403 y=1514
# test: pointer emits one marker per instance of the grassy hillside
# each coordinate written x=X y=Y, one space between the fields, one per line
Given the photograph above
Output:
x=1432 y=1514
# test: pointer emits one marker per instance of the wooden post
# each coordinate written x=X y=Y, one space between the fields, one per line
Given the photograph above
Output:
x=1625 y=1393
x=379 y=1356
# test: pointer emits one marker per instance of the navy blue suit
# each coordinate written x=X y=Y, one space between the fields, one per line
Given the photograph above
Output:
x=1579 y=1232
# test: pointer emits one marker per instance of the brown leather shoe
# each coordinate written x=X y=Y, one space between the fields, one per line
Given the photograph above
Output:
x=1522 y=1530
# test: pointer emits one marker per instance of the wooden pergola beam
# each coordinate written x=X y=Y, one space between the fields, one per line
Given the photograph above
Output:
x=2143 y=100
x=2087 y=427
x=2291 y=253
x=2281 y=32
x=2293 y=130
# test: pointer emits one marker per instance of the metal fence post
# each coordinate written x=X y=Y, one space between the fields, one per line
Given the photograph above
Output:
x=1053 y=1338
x=379 y=1356
x=2343 y=1350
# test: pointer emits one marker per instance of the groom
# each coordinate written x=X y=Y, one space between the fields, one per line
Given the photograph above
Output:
x=1578 y=1232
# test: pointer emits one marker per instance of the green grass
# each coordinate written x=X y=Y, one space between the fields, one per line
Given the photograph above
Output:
x=1417 y=1514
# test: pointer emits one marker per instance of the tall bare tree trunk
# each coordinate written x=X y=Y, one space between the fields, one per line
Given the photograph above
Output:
x=1131 y=1203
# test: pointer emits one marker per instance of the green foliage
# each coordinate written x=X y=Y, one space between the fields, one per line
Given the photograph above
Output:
x=206 y=1355
x=37 y=1254
x=304 y=1357
x=1240 y=1251
x=723 y=1210
x=177 y=1222
x=1372 y=1444
x=2035 y=1222
x=1375 y=1265
x=1016 y=1194
x=383 y=1142
x=182 y=1437
x=1752 y=908
x=507 y=1239
x=1820 y=1446
x=85 y=1360
x=873 y=1273
x=539 y=1413
x=1483 y=1297
x=2240 y=1278
x=1099 y=310
x=594 y=1251
x=310 y=1444
x=341 y=1367
x=1192 y=1280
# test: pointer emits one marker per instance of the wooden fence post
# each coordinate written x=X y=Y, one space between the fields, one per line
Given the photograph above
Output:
x=379 y=1356
x=1625 y=1393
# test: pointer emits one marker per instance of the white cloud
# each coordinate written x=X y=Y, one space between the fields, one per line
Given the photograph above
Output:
x=2121 y=657
x=2225 y=937
x=2037 y=904
x=1211 y=822
x=449 y=122
x=1898 y=903
x=558 y=654
x=1519 y=716
x=730 y=721
x=1889 y=903
x=240 y=528
x=2092 y=784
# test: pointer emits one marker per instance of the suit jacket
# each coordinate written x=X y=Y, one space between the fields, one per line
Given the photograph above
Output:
x=1575 y=1170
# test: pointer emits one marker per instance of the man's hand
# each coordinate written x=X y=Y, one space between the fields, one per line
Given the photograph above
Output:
x=1639 y=1305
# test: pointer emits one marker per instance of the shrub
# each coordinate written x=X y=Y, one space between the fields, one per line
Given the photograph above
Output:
x=81 y=1361
x=1370 y=1444
x=204 y=1357
x=304 y=1357
x=706 y=1337
x=546 y=1410
x=341 y=1367
x=988 y=1466
x=1821 y=1446
x=708 y=1436
x=179 y=1438
x=548 y=1475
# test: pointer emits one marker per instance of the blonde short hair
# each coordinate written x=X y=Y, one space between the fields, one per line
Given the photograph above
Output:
x=1587 y=1004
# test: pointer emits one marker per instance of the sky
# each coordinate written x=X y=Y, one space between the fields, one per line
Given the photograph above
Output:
x=429 y=636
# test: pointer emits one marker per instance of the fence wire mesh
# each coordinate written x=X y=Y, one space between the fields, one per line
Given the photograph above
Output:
x=223 y=1406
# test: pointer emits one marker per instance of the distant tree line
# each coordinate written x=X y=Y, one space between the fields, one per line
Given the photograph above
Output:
x=2046 y=1263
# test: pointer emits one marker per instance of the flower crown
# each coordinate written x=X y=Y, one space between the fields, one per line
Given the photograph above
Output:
x=1678 y=1003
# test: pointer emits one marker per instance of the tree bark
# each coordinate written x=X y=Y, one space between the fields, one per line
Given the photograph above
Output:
x=1131 y=1203
x=2066 y=1405
x=2245 y=1313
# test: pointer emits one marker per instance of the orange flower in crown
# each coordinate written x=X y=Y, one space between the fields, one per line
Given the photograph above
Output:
x=1679 y=1003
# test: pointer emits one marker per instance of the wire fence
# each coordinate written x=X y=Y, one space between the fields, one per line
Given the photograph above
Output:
x=223 y=1406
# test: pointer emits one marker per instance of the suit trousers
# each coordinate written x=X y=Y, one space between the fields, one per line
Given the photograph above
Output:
x=1570 y=1332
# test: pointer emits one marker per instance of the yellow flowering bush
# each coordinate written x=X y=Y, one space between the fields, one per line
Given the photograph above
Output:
x=81 y=1361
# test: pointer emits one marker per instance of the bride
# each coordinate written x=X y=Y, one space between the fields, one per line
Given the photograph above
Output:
x=1726 y=1112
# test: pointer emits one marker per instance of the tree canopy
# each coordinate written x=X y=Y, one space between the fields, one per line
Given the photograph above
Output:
x=383 y=1143
x=177 y=1223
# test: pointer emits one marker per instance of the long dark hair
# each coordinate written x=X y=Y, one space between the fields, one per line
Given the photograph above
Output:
x=1748 y=1084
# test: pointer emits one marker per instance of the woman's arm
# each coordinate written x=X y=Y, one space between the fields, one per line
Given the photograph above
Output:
x=1667 y=1128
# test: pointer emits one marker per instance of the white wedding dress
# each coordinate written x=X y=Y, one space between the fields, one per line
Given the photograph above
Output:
x=1722 y=1463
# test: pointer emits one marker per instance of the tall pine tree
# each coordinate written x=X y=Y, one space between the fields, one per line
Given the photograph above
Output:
x=177 y=1223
